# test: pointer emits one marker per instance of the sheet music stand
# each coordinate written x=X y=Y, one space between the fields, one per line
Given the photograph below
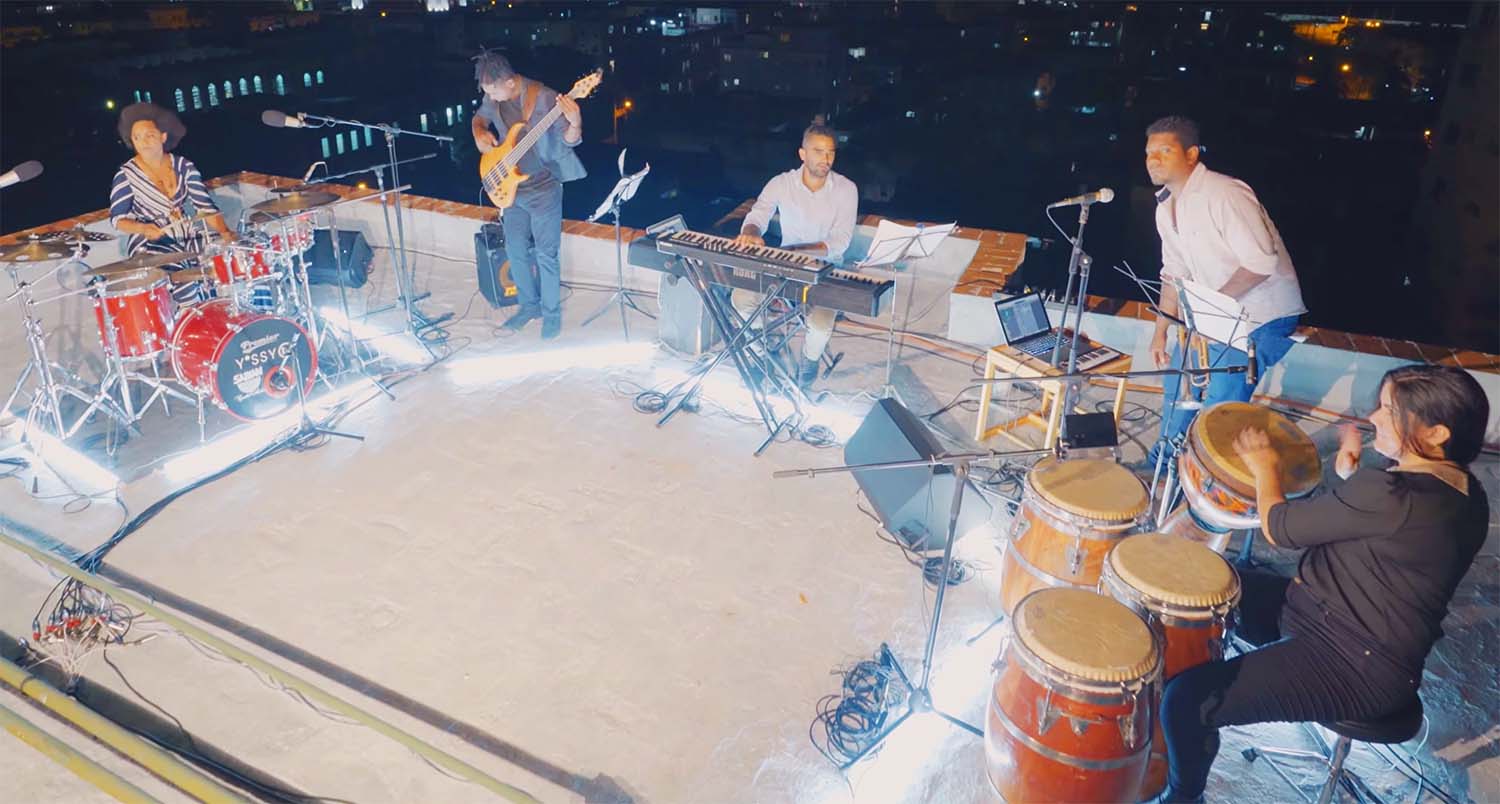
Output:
x=889 y=249
x=623 y=191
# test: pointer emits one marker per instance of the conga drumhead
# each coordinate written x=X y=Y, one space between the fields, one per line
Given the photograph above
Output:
x=1086 y=635
x=1213 y=433
x=1092 y=488
x=1174 y=570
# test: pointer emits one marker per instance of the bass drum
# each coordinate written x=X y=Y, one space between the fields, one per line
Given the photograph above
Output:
x=247 y=363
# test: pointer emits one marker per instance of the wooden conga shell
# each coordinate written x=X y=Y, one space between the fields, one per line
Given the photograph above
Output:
x=1187 y=593
x=1074 y=701
x=1072 y=513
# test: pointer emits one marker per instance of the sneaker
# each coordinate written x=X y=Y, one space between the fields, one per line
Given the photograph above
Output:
x=551 y=327
x=522 y=317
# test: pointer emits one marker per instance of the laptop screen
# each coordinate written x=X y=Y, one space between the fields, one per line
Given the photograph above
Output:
x=1022 y=317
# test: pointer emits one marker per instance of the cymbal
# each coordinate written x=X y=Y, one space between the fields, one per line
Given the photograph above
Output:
x=139 y=262
x=35 y=250
x=295 y=202
x=78 y=235
x=188 y=275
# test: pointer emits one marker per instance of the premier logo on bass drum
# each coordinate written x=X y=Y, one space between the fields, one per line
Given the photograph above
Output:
x=255 y=355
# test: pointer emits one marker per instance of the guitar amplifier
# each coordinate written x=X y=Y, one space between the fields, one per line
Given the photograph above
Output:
x=492 y=266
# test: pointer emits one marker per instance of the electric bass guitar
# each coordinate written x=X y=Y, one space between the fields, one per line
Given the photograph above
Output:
x=497 y=169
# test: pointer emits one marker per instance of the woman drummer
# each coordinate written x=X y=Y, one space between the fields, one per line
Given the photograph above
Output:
x=1347 y=637
x=156 y=188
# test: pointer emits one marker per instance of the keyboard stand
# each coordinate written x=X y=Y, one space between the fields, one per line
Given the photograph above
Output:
x=738 y=339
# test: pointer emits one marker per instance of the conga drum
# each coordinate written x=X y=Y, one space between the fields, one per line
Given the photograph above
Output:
x=1187 y=593
x=1219 y=488
x=1076 y=690
x=1072 y=513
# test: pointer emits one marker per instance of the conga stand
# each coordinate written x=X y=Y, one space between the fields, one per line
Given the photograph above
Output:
x=919 y=695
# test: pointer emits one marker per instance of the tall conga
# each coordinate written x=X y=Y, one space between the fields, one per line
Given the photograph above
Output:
x=1072 y=513
x=1076 y=690
x=1219 y=487
x=1187 y=593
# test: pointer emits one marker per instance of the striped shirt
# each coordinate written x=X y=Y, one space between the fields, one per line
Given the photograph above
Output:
x=133 y=196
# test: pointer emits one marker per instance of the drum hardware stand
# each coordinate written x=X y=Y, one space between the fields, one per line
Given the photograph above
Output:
x=738 y=342
x=623 y=191
x=919 y=696
x=46 y=397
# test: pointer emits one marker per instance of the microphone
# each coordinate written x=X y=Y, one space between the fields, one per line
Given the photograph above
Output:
x=276 y=119
x=1103 y=195
x=26 y=171
x=311 y=169
x=1251 y=369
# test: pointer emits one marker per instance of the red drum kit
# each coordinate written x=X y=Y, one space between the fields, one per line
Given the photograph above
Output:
x=250 y=348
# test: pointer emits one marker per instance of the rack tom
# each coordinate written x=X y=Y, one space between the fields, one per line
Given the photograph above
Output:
x=1218 y=486
x=1076 y=690
x=135 y=313
x=1072 y=513
x=1187 y=594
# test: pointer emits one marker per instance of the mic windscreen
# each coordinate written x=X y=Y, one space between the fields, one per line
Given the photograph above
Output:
x=1106 y=195
x=26 y=171
x=273 y=118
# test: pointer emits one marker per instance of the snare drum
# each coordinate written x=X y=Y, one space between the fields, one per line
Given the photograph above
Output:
x=1072 y=513
x=245 y=362
x=1076 y=690
x=140 y=310
x=1219 y=488
x=1187 y=593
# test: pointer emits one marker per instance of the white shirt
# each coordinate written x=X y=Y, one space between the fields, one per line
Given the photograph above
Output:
x=825 y=216
x=1215 y=225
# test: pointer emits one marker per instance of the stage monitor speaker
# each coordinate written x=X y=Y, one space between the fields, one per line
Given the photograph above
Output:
x=492 y=266
x=353 y=251
x=913 y=504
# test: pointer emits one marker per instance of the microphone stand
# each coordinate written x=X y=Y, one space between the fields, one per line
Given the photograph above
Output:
x=919 y=696
x=415 y=321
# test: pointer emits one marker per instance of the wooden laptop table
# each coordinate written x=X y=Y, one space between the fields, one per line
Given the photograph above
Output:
x=1048 y=414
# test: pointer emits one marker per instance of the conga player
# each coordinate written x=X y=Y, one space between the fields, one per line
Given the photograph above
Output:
x=1346 y=639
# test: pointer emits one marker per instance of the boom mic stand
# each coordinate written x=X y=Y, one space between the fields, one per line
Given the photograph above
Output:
x=415 y=321
x=919 y=696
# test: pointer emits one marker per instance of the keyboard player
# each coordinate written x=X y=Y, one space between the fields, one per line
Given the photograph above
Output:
x=817 y=208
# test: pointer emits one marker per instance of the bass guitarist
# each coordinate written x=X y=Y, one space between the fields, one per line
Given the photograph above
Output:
x=533 y=223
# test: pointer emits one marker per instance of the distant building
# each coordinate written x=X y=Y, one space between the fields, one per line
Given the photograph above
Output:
x=1458 y=207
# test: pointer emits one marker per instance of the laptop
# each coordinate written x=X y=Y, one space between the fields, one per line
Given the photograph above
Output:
x=1027 y=329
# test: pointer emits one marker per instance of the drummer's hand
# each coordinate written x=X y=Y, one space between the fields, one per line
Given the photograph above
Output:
x=1254 y=448
x=1350 y=446
x=151 y=231
x=1159 y=354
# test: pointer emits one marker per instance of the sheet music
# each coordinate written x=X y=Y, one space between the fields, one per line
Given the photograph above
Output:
x=893 y=241
x=1218 y=317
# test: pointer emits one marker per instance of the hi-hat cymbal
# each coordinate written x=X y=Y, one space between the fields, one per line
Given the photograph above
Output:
x=139 y=262
x=34 y=250
x=295 y=202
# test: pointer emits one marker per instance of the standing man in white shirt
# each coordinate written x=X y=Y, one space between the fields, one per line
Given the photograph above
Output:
x=817 y=208
x=1215 y=232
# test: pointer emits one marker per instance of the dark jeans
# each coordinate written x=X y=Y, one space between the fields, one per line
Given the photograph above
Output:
x=533 y=239
x=1272 y=342
x=1294 y=677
